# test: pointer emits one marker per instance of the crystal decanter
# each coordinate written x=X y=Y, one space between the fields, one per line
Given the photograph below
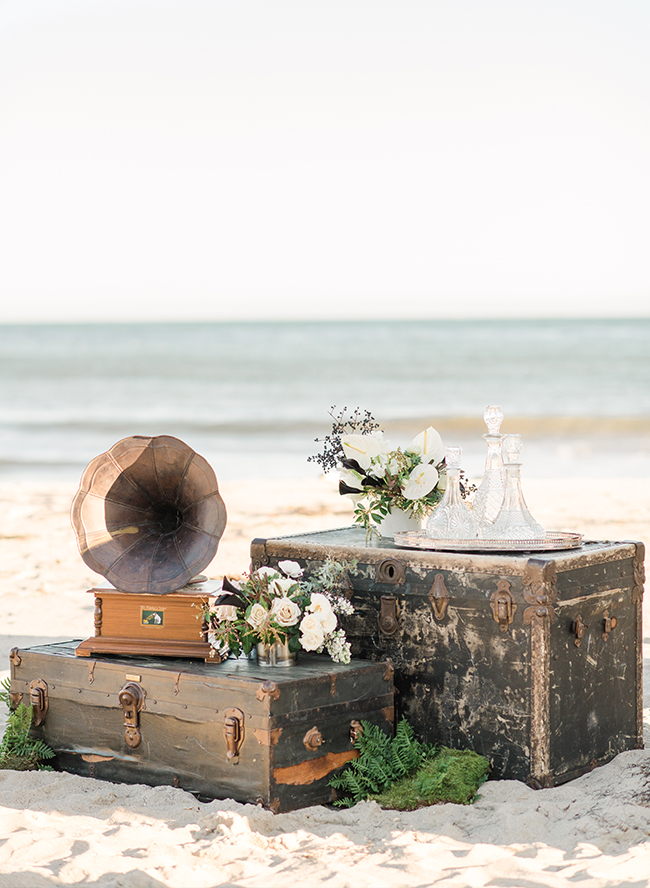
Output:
x=514 y=521
x=489 y=497
x=451 y=519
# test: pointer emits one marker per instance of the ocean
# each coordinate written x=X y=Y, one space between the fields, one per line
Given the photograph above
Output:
x=252 y=397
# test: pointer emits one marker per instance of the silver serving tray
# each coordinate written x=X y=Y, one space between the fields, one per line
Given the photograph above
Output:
x=417 y=539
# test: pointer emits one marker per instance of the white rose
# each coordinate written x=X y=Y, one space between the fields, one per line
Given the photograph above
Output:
x=282 y=585
x=225 y=612
x=363 y=448
x=285 y=611
x=422 y=480
x=311 y=632
x=321 y=607
x=428 y=444
x=257 y=615
x=291 y=569
x=266 y=572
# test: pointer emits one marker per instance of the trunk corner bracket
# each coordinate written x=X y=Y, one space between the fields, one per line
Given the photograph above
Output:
x=267 y=689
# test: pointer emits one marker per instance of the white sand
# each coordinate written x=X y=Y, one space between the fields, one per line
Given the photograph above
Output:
x=57 y=829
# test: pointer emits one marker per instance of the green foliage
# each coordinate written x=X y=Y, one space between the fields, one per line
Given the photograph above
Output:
x=404 y=774
x=5 y=684
x=382 y=760
x=452 y=775
x=19 y=751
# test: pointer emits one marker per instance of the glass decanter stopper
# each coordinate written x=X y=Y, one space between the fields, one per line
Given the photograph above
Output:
x=489 y=496
x=451 y=519
x=514 y=521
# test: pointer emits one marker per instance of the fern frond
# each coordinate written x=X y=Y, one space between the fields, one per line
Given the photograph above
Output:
x=19 y=751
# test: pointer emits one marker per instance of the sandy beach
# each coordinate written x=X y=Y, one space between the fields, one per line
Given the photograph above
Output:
x=57 y=829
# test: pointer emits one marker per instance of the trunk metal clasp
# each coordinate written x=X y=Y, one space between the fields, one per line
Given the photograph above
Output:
x=132 y=697
x=503 y=605
x=388 y=624
x=233 y=732
x=39 y=700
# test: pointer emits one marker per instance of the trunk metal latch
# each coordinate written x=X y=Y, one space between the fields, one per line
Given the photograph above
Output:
x=233 y=732
x=503 y=605
x=439 y=598
x=388 y=616
x=39 y=700
x=132 y=697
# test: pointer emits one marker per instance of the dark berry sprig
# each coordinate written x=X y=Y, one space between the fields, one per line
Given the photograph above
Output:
x=356 y=423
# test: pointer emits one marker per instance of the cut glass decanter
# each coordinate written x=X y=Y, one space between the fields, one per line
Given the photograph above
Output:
x=514 y=521
x=489 y=497
x=451 y=519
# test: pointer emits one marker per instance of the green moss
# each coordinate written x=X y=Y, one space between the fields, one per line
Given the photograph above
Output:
x=452 y=775
x=405 y=774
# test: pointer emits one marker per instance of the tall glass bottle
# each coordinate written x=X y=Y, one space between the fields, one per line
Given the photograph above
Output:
x=451 y=519
x=514 y=521
x=489 y=497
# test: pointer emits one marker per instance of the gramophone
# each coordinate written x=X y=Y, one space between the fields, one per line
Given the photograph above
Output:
x=148 y=517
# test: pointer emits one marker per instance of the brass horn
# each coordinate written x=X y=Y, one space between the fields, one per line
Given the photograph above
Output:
x=148 y=515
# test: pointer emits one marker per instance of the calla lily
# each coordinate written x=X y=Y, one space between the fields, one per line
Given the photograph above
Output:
x=362 y=448
x=351 y=481
x=428 y=445
x=422 y=480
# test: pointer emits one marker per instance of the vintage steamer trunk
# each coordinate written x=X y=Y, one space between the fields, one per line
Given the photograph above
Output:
x=531 y=660
x=235 y=730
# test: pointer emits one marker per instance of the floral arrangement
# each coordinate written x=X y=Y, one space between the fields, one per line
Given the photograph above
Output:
x=378 y=477
x=270 y=605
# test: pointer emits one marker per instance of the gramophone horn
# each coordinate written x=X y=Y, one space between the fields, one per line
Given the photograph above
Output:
x=148 y=515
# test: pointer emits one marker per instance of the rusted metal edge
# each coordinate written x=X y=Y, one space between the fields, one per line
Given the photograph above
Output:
x=540 y=665
x=637 y=596
x=540 y=592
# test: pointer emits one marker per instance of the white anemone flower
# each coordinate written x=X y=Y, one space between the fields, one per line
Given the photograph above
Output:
x=422 y=480
x=291 y=569
x=428 y=444
x=363 y=448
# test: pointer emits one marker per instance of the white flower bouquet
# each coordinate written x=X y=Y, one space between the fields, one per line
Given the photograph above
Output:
x=270 y=605
x=379 y=477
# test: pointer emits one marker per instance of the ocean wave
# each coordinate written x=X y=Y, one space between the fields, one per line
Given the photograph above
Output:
x=539 y=426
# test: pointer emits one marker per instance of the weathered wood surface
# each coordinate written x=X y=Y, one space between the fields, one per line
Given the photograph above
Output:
x=484 y=646
x=182 y=722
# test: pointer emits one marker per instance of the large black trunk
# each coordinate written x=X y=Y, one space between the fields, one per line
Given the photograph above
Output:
x=235 y=730
x=534 y=661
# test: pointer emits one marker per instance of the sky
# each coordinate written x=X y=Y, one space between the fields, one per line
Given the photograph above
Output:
x=263 y=159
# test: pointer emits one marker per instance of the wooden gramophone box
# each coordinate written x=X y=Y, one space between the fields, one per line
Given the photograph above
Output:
x=168 y=625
